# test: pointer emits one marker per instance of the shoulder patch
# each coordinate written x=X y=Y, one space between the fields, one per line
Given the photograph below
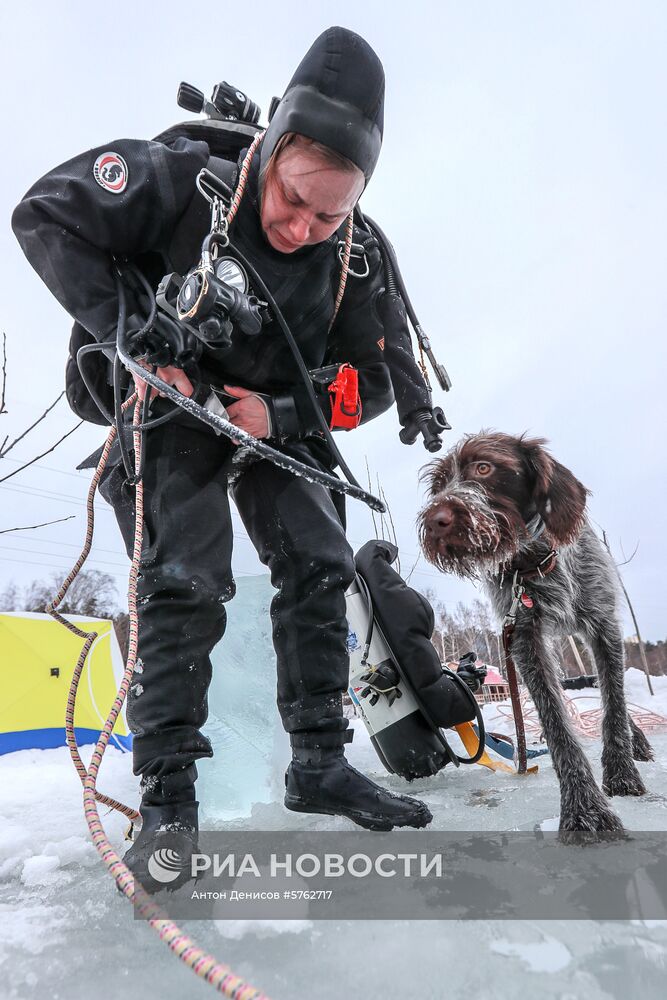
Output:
x=110 y=171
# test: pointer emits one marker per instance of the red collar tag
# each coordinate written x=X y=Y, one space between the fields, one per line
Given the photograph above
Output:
x=526 y=601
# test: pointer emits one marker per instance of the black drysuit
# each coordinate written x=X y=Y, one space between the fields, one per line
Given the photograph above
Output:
x=69 y=226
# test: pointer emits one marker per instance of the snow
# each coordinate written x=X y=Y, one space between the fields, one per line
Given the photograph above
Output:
x=67 y=932
x=548 y=955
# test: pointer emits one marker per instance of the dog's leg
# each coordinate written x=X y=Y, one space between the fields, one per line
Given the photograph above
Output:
x=641 y=748
x=583 y=806
x=619 y=774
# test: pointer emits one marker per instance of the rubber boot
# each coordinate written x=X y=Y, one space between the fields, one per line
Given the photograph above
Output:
x=160 y=855
x=320 y=780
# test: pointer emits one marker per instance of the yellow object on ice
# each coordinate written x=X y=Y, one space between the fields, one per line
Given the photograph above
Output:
x=470 y=740
x=37 y=660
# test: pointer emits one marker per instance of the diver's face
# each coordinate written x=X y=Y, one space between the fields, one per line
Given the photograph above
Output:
x=305 y=200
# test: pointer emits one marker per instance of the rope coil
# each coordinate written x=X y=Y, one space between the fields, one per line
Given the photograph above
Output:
x=218 y=975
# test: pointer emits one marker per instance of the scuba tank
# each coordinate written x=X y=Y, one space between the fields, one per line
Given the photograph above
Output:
x=404 y=695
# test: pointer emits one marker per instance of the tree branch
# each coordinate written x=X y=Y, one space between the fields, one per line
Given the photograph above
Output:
x=5 y=451
x=642 y=650
x=47 y=452
x=29 y=527
x=414 y=567
x=626 y=561
x=4 y=374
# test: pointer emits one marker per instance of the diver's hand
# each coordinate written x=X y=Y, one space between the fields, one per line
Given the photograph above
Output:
x=251 y=413
x=171 y=375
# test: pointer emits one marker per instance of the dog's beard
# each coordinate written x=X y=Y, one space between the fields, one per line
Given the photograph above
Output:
x=482 y=538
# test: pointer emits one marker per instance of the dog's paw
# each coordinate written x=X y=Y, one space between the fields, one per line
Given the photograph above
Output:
x=623 y=781
x=587 y=814
x=641 y=748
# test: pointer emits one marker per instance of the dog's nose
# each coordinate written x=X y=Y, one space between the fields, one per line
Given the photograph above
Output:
x=438 y=524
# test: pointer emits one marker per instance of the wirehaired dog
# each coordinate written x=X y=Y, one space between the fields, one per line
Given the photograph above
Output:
x=502 y=510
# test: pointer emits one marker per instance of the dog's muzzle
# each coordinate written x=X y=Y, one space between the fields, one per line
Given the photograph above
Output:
x=458 y=530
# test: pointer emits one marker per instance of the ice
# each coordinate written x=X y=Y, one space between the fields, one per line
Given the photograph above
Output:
x=548 y=955
x=251 y=749
x=67 y=932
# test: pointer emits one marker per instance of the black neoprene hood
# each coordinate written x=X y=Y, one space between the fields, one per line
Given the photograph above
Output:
x=335 y=97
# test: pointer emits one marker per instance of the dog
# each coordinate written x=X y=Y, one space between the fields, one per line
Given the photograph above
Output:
x=503 y=510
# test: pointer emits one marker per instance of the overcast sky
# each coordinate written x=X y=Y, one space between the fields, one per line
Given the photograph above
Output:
x=522 y=182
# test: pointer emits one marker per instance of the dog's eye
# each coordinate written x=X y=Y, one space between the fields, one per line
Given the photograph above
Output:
x=483 y=468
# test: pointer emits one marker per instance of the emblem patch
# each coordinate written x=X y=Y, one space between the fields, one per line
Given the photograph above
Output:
x=352 y=642
x=381 y=343
x=110 y=172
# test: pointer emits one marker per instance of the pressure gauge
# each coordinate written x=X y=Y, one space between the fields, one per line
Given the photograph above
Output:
x=230 y=271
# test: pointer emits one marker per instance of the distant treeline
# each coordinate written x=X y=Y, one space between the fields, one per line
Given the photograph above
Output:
x=472 y=626
x=456 y=632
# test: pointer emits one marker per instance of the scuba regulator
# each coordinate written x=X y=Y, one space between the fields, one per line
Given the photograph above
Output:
x=213 y=298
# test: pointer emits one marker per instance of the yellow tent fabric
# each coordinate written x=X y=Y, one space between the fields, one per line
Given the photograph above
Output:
x=37 y=660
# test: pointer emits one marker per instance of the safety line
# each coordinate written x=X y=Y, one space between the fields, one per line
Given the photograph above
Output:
x=205 y=966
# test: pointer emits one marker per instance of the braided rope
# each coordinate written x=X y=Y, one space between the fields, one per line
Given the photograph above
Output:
x=202 y=964
x=345 y=268
x=89 y=637
x=243 y=178
x=588 y=723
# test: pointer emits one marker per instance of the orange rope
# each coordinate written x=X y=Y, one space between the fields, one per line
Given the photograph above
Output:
x=204 y=965
x=243 y=178
x=346 y=266
x=588 y=723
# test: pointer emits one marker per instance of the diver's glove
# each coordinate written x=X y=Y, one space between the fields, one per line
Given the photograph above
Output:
x=471 y=674
x=168 y=343
x=382 y=679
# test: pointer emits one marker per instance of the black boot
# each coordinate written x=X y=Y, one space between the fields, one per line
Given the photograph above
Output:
x=161 y=853
x=322 y=781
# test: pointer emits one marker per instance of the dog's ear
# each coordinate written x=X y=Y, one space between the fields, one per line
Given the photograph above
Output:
x=559 y=496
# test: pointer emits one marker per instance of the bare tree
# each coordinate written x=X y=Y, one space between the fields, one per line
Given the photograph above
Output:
x=642 y=649
x=4 y=374
x=8 y=444
x=92 y=593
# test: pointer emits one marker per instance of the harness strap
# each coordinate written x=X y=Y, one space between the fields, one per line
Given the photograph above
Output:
x=519 y=596
x=508 y=629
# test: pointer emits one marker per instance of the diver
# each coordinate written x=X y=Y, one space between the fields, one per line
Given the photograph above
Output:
x=137 y=201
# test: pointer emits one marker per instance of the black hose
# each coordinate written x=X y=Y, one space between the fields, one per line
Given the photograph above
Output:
x=388 y=261
x=278 y=458
x=80 y=355
x=143 y=426
x=363 y=586
x=396 y=284
x=300 y=363
x=395 y=281
x=480 y=721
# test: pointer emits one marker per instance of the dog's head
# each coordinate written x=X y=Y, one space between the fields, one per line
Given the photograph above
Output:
x=484 y=493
